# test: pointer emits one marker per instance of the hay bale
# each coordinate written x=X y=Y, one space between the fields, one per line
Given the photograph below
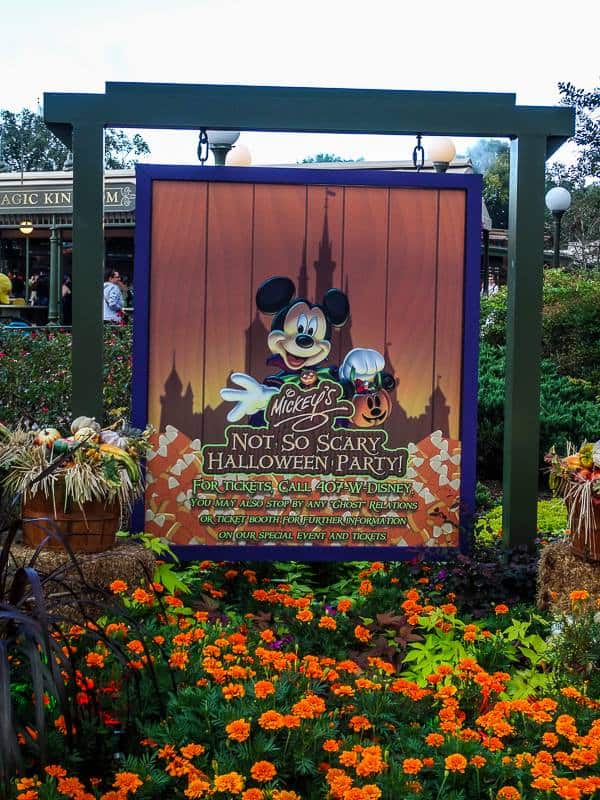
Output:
x=127 y=561
x=560 y=572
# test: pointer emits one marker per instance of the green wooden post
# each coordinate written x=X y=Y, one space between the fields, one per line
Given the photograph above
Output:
x=523 y=339
x=87 y=278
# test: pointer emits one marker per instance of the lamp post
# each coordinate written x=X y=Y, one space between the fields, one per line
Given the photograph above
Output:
x=53 y=305
x=26 y=228
x=558 y=200
x=441 y=151
x=220 y=143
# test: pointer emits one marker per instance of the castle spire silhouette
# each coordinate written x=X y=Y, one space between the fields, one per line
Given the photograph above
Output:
x=324 y=265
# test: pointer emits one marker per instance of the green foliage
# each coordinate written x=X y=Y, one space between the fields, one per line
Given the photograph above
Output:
x=328 y=158
x=36 y=379
x=574 y=648
x=491 y=157
x=28 y=145
x=551 y=519
x=569 y=410
x=587 y=135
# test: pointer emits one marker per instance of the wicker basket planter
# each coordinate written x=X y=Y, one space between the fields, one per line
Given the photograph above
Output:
x=89 y=528
x=585 y=539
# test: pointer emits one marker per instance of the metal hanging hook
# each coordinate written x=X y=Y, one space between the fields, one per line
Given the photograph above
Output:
x=418 y=155
x=203 y=147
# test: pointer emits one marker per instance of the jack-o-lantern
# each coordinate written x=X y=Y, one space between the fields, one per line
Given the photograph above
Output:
x=371 y=409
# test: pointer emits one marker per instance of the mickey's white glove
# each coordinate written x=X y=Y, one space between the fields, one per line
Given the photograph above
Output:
x=362 y=364
x=252 y=397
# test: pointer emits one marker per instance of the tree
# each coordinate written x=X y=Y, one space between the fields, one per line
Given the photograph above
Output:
x=581 y=226
x=323 y=158
x=491 y=158
x=28 y=145
x=587 y=134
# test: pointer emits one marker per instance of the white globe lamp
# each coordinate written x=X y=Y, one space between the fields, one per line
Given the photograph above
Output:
x=441 y=151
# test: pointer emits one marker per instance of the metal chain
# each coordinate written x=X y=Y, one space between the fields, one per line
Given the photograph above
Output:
x=203 y=147
x=418 y=155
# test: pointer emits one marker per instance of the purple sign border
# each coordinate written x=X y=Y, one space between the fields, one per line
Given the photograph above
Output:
x=471 y=184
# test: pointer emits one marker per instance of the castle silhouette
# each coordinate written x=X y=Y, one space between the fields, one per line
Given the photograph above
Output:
x=177 y=406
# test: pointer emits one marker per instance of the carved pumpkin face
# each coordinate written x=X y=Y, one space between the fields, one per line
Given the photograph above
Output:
x=371 y=409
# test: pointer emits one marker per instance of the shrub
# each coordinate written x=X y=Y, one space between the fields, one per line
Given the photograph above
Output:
x=569 y=410
x=35 y=375
x=570 y=320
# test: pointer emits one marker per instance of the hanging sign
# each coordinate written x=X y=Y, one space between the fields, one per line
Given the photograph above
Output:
x=305 y=347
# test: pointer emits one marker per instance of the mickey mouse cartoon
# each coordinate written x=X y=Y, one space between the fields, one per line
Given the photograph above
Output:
x=300 y=340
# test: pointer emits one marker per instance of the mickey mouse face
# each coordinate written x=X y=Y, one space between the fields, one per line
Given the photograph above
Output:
x=301 y=342
x=300 y=331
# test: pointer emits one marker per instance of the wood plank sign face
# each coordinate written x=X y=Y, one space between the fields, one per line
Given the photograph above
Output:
x=305 y=347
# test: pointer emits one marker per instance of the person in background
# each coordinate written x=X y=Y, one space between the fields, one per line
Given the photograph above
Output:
x=113 y=296
x=18 y=284
x=42 y=289
x=67 y=301
x=5 y=289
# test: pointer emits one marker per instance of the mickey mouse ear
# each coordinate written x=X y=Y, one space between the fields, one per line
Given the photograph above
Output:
x=337 y=307
x=274 y=294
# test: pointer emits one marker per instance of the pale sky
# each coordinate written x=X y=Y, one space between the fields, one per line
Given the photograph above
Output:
x=524 y=47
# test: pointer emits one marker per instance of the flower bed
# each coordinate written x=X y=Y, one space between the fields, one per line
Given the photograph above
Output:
x=285 y=682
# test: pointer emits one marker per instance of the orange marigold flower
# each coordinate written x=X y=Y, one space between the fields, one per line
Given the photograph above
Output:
x=263 y=771
x=127 y=782
x=434 y=739
x=192 y=750
x=70 y=786
x=197 y=787
x=179 y=659
x=500 y=609
x=328 y=623
x=309 y=707
x=550 y=739
x=349 y=758
x=543 y=783
x=449 y=608
x=331 y=746
x=238 y=730
x=284 y=794
x=118 y=587
x=143 y=597
x=263 y=689
x=366 y=587
x=359 y=723
x=478 y=762
x=304 y=616
x=253 y=794
x=231 y=782
x=271 y=720
x=171 y=600
x=362 y=634
x=344 y=605
x=470 y=633
x=412 y=766
x=233 y=690
x=508 y=793
x=56 y=771
x=29 y=794
x=455 y=762
x=94 y=660
x=578 y=595
x=135 y=646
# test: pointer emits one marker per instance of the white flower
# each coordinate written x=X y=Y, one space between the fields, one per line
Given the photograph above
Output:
x=596 y=454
